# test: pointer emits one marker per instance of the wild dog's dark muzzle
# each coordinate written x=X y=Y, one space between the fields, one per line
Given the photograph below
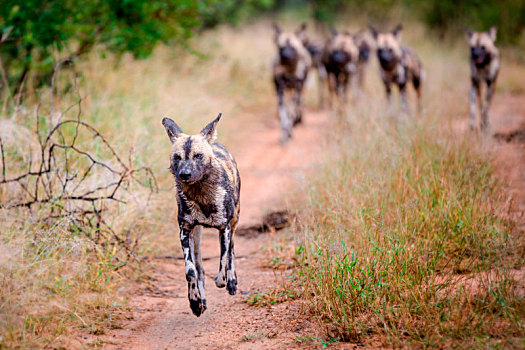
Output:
x=287 y=54
x=364 y=54
x=184 y=173
x=479 y=55
x=386 y=58
x=339 y=57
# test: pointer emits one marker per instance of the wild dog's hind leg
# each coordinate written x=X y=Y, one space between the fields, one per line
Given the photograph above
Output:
x=485 y=109
x=231 y=275
x=197 y=301
x=225 y=241
x=474 y=93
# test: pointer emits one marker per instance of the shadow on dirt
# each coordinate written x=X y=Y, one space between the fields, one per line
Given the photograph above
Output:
x=513 y=136
x=273 y=221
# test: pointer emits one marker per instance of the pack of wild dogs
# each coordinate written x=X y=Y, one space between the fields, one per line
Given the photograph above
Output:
x=206 y=176
x=342 y=60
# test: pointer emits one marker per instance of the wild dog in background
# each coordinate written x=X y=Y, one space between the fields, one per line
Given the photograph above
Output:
x=398 y=65
x=316 y=55
x=208 y=190
x=365 y=43
x=340 y=58
x=290 y=70
x=484 y=67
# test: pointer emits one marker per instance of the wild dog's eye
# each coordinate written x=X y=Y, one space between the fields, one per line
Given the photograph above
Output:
x=197 y=156
x=177 y=157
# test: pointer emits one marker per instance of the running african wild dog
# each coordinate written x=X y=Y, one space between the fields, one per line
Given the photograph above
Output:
x=290 y=70
x=340 y=58
x=365 y=43
x=398 y=65
x=316 y=55
x=484 y=67
x=208 y=189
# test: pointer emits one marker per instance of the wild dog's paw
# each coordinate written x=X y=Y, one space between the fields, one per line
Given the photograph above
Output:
x=198 y=306
x=232 y=286
x=298 y=119
x=286 y=135
x=220 y=281
x=197 y=303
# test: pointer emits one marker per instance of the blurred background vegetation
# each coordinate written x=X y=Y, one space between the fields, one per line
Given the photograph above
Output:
x=35 y=34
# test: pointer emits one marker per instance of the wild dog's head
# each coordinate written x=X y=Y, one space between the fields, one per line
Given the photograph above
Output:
x=365 y=43
x=388 y=44
x=341 y=48
x=289 y=44
x=191 y=157
x=482 y=46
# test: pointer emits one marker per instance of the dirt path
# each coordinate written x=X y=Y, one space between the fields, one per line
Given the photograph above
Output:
x=162 y=317
x=509 y=132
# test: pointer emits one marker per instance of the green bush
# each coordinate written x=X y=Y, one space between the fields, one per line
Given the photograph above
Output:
x=445 y=16
x=35 y=34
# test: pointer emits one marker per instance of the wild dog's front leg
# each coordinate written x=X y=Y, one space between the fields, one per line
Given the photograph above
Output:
x=486 y=105
x=298 y=118
x=403 y=93
x=196 y=235
x=323 y=82
x=284 y=118
x=474 y=92
x=388 y=90
x=197 y=301
x=332 y=90
x=416 y=81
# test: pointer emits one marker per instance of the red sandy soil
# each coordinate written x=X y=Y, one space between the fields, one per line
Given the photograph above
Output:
x=162 y=318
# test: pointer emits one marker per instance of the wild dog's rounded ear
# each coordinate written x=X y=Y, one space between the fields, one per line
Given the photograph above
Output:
x=492 y=33
x=277 y=30
x=172 y=129
x=301 y=33
x=301 y=28
x=468 y=33
x=397 y=31
x=210 y=131
x=374 y=31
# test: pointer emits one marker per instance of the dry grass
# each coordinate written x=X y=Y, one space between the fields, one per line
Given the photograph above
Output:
x=403 y=232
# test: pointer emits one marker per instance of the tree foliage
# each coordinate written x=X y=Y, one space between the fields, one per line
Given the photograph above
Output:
x=445 y=16
x=35 y=32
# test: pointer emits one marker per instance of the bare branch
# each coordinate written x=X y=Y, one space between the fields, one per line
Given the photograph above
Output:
x=73 y=180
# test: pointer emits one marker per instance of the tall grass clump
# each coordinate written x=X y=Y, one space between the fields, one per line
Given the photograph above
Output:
x=404 y=240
